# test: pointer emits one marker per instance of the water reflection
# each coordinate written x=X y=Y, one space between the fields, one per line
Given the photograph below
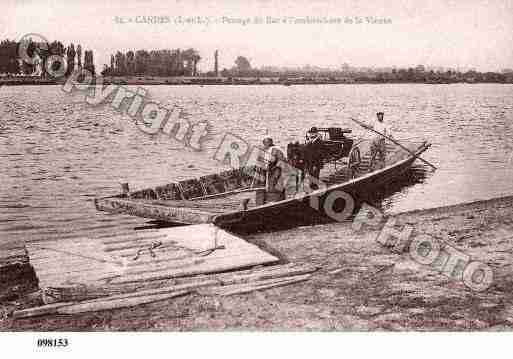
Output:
x=385 y=196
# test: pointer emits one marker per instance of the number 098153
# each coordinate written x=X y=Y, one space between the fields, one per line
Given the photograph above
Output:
x=52 y=343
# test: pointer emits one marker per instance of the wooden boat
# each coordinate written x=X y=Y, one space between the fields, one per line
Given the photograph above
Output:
x=233 y=199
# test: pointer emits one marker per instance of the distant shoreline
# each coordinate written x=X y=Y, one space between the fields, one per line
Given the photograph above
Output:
x=186 y=81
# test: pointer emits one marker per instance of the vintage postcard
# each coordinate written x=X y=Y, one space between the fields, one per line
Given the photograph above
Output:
x=334 y=166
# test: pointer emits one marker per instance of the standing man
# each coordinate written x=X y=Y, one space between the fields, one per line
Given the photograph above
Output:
x=274 y=159
x=378 y=148
x=313 y=153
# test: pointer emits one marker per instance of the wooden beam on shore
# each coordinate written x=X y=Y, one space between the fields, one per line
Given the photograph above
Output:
x=109 y=304
x=41 y=310
x=241 y=288
x=230 y=284
x=117 y=300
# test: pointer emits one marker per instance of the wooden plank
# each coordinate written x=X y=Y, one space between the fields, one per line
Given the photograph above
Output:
x=77 y=293
x=69 y=252
x=271 y=273
x=64 y=276
x=94 y=305
x=52 y=261
x=37 y=311
x=144 y=209
x=268 y=272
x=151 y=265
x=194 y=268
x=68 y=261
x=94 y=243
x=171 y=259
x=114 y=301
x=116 y=304
x=260 y=285
x=136 y=243
x=181 y=252
x=260 y=275
x=57 y=280
x=226 y=194
x=74 y=268
x=149 y=234
x=244 y=283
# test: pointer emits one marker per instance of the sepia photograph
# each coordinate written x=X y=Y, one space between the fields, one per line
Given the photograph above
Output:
x=255 y=166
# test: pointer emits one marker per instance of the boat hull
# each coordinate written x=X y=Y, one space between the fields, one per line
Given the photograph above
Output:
x=333 y=202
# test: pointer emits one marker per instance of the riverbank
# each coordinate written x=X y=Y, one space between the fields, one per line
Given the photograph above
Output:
x=183 y=80
x=360 y=285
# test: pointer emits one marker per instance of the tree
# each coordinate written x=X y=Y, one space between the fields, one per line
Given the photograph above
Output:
x=410 y=74
x=79 y=55
x=179 y=63
x=154 y=64
x=89 y=61
x=187 y=58
x=70 y=55
x=242 y=65
x=162 y=62
x=130 y=63
x=120 y=68
x=9 y=57
x=194 y=58
x=141 y=61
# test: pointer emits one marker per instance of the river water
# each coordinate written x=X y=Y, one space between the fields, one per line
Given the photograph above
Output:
x=57 y=152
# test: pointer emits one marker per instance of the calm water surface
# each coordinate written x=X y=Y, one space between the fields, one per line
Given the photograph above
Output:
x=57 y=152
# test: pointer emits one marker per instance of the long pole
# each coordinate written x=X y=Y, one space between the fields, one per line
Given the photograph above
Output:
x=394 y=141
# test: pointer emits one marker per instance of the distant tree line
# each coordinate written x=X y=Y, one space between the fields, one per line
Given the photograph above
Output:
x=431 y=76
x=418 y=74
x=12 y=64
x=179 y=62
x=175 y=62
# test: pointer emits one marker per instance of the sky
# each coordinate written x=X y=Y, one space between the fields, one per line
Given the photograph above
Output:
x=464 y=33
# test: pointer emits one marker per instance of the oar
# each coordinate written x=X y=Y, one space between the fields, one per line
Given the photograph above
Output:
x=394 y=141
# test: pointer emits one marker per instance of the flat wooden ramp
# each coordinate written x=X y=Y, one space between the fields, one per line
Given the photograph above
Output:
x=142 y=256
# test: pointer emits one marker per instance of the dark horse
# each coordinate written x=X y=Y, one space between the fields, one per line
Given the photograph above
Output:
x=310 y=157
x=307 y=158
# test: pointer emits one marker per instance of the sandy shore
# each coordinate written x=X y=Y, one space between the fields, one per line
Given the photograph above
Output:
x=360 y=285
